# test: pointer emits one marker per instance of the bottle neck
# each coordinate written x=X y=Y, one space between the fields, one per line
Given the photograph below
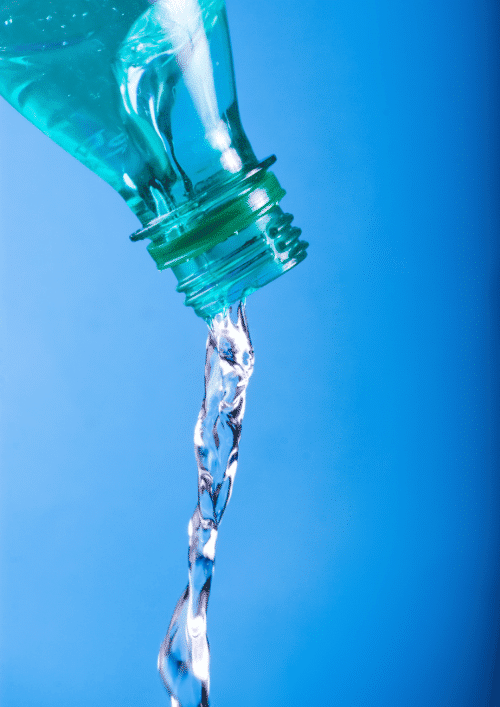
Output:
x=223 y=246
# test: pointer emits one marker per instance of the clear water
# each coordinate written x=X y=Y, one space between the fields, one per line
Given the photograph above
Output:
x=184 y=655
x=132 y=89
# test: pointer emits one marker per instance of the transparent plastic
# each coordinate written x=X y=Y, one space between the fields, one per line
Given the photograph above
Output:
x=143 y=94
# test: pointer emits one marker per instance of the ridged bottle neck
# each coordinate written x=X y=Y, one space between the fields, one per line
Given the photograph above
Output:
x=243 y=263
x=228 y=242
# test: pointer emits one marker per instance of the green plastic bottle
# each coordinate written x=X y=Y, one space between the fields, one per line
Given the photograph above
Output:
x=142 y=92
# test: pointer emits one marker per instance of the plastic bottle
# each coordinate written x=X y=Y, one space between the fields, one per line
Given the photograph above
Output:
x=143 y=94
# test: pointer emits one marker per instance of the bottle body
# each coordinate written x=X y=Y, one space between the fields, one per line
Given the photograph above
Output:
x=143 y=94
x=103 y=80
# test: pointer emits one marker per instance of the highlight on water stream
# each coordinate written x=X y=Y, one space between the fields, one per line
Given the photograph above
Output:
x=142 y=92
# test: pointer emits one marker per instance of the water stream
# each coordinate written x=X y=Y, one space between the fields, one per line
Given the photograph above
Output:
x=184 y=656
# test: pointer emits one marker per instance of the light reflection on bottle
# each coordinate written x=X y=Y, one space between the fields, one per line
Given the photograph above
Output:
x=168 y=30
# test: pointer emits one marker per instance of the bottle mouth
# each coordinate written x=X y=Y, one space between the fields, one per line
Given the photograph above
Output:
x=243 y=263
x=222 y=247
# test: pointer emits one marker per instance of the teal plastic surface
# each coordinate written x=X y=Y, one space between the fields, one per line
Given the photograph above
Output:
x=143 y=94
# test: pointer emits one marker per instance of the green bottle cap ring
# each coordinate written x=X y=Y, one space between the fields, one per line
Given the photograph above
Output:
x=177 y=237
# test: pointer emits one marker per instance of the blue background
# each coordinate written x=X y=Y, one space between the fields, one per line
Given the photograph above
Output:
x=357 y=562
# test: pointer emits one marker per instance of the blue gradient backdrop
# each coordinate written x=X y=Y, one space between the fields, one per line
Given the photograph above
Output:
x=358 y=560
